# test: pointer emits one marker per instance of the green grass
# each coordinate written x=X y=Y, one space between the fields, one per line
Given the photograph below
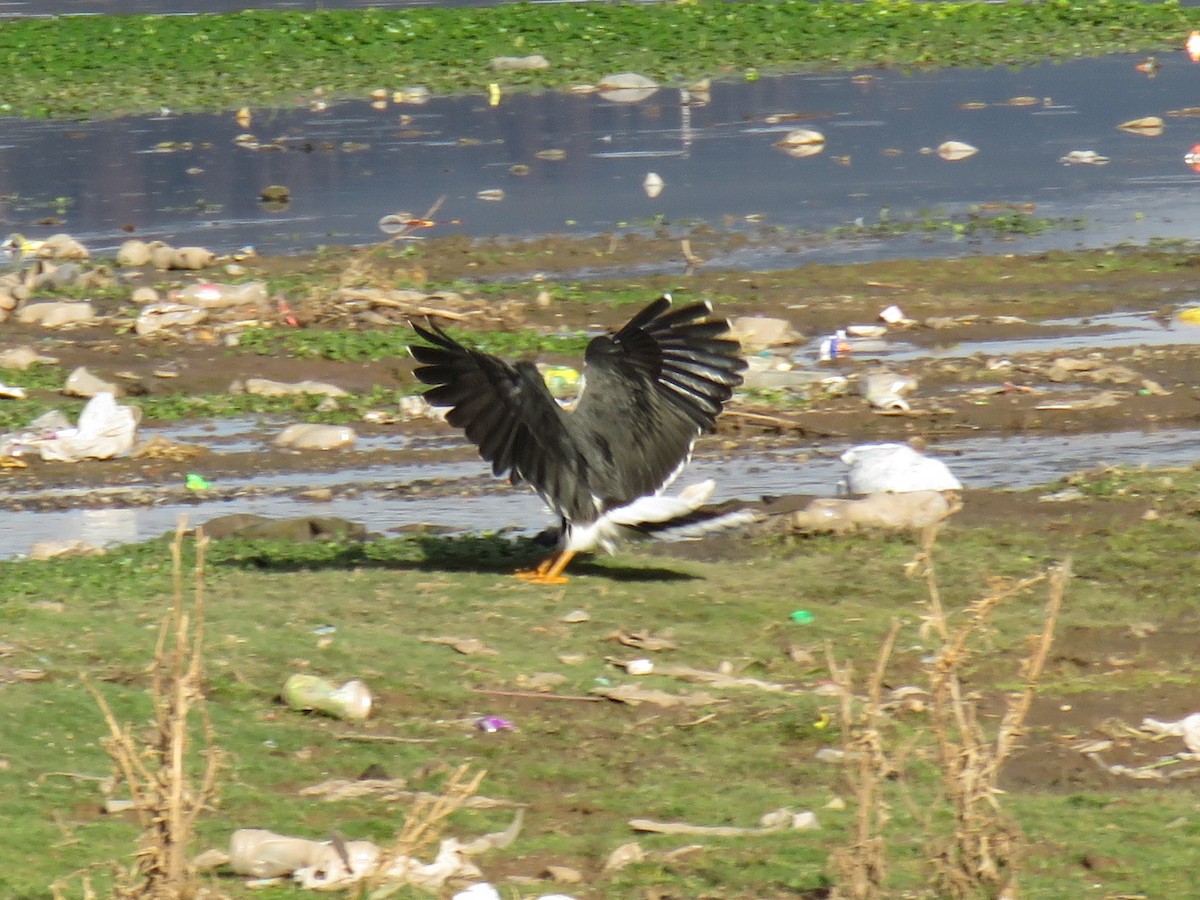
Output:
x=584 y=768
x=74 y=66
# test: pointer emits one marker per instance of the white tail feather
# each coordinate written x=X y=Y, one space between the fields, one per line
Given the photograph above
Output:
x=661 y=507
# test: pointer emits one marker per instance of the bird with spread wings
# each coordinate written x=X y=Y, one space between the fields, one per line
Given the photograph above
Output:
x=648 y=391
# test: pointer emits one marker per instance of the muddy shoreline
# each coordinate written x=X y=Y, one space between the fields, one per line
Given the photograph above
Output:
x=982 y=347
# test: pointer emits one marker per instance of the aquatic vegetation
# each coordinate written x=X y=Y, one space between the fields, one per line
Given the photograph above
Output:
x=87 y=65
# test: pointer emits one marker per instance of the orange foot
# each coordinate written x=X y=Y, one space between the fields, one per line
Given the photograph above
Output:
x=549 y=571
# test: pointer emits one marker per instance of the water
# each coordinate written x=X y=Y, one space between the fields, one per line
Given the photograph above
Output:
x=351 y=164
x=468 y=499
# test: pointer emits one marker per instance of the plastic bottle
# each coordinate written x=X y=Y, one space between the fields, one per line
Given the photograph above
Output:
x=350 y=701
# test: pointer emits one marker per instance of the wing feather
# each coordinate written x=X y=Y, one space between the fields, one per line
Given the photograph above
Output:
x=653 y=387
x=508 y=413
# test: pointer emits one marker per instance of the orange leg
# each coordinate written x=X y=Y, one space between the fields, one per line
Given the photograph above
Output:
x=549 y=571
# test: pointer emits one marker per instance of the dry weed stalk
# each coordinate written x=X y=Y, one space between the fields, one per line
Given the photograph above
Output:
x=423 y=827
x=980 y=857
x=859 y=869
x=158 y=768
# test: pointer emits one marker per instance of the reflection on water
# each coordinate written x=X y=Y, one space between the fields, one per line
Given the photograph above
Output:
x=183 y=178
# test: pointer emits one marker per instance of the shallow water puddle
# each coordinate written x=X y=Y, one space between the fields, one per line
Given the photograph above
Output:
x=1104 y=331
x=466 y=499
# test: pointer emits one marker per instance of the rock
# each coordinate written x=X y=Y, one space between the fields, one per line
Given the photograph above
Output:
x=264 y=387
x=306 y=436
x=162 y=256
x=62 y=246
x=44 y=550
x=275 y=193
x=192 y=258
x=135 y=254
x=82 y=383
x=915 y=509
x=23 y=358
x=626 y=87
x=757 y=333
x=56 y=314
x=303 y=528
x=520 y=63
x=144 y=295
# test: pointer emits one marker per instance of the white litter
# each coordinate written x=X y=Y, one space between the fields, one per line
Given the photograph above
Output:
x=895 y=468
x=105 y=429
x=1188 y=728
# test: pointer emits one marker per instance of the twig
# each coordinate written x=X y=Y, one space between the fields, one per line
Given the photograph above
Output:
x=382 y=739
x=537 y=695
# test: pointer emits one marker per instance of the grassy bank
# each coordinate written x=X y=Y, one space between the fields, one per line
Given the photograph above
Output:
x=585 y=768
x=79 y=66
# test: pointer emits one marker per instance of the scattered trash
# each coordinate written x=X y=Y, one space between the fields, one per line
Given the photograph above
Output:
x=312 y=693
x=1190 y=316
x=1149 y=126
x=336 y=864
x=1083 y=158
x=638 y=666
x=157 y=317
x=314 y=436
x=894 y=468
x=833 y=347
x=105 y=429
x=884 y=390
x=653 y=184
x=802 y=617
x=1192 y=45
x=866 y=331
x=563 y=381
x=194 y=482
x=214 y=295
x=952 y=151
x=801 y=142
x=493 y=194
x=493 y=724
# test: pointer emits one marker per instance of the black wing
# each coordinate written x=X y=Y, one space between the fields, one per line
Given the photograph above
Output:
x=509 y=414
x=652 y=388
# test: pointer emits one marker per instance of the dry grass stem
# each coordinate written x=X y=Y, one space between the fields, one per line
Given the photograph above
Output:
x=980 y=858
x=860 y=869
x=159 y=769
x=423 y=827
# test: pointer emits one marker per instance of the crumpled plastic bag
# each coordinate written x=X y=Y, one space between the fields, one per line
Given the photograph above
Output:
x=105 y=429
x=894 y=468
